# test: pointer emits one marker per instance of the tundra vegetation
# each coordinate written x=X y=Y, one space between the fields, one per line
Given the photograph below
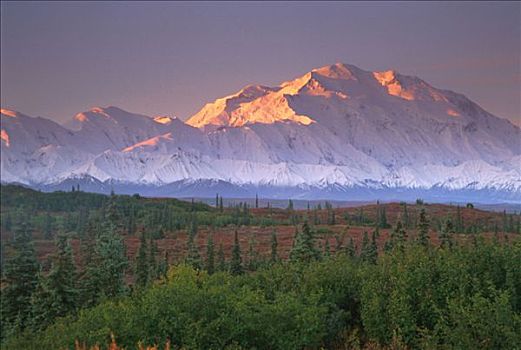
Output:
x=81 y=270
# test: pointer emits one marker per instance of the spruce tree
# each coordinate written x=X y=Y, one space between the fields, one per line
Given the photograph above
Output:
x=423 y=229
x=459 y=220
x=361 y=217
x=42 y=313
x=398 y=236
x=221 y=261
x=446 y=234
x=62 y=278
x=252 y=255
x=57 y=294
x=87 y=244
x=327 y=249
x=20 y=278
x=274 y=245
x=373 y=251
x=105 y=274
x=142 y=267
x=366 y=247
x=383 y=218
x=351 y=248
x=405 y=216
x=210 y=255
x=152 y=260
x=193 y=258
x=236 y=261
x=339 y=240
x=511 y=228
x=131 y=229
x=388 y=246
x=304 y=246
x=376 y=232
x=162 y=268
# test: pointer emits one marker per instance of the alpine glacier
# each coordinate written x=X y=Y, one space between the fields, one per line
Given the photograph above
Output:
x=337 y=132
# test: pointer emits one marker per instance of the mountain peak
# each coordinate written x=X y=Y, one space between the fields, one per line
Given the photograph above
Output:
x=337 y=71
x=337 y=127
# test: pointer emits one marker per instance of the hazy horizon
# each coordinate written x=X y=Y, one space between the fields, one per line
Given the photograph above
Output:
x=172 y=58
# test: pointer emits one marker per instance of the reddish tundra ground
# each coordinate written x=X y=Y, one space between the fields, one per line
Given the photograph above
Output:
x=175 y=242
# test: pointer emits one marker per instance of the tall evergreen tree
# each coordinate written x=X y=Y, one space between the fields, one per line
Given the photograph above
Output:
x=399 y=236
x=446 y=234
x=405 y=216
x=366 y=247
x=210 y=255
x=388 y=246
x=274 y=245
x=459 y=220
x=162 y=268
x=57 y=295
x=131 y=221
x=423 y=229
x=256 y=201
x=252 y=255
x=373 y=252
x=83 y=218
x=236 y=261
x=193 y=258
x=339 y=240
x=21 y=278
x=142 y=267
x=42 y=313
x=106 y=271
x=327 y=249
x=152 y=259
x=221 y=261
x=351 y=248
x=87 y=244
x=361 y=217
x=383 y=218
x=304 y=249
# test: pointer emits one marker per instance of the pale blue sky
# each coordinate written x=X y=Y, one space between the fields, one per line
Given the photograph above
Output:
x=60 y=58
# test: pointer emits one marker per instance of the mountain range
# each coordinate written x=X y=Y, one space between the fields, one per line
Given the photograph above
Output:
x=337 y=132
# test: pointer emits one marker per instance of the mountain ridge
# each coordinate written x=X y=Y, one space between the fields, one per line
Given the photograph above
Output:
x=337 y=126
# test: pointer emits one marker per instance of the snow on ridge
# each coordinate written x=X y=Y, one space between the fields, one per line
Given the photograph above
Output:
x=336 y=126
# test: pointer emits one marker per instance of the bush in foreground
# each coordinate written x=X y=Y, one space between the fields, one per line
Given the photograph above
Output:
x=459 y=298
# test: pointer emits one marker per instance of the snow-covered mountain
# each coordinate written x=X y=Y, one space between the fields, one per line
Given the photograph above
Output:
x=335 y=132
